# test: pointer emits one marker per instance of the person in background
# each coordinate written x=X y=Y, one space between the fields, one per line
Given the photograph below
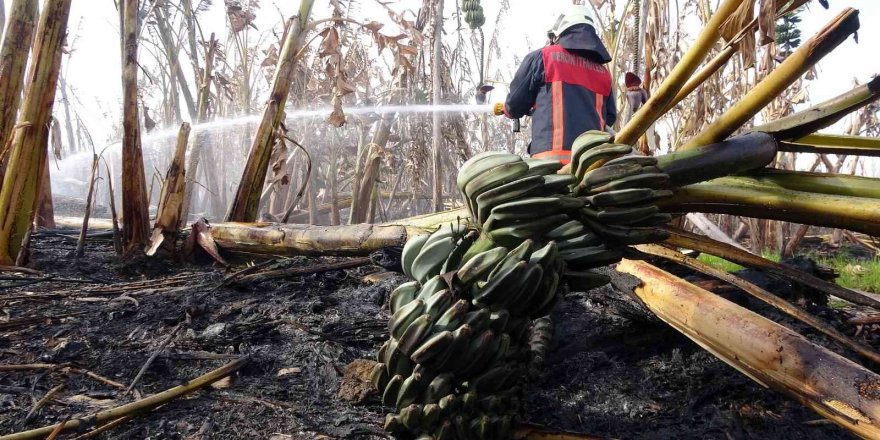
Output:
x=636 y=96
x=565 y=87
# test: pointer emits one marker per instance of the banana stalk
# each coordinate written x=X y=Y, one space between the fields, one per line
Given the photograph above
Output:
x=735 y=155
x=774 y=356
x=752 y=198
x=834 y=144
x=803 y=59
x=820 y=183
x=824 y=114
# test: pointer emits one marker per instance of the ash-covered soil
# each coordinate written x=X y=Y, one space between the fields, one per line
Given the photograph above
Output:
x=611 y=373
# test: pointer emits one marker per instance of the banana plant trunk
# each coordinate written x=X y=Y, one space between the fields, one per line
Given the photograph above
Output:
x=27 y=151
x=247 y=198
x=171 y=197
x=13 y=60
x=201 y=138
x=752 y=198
x=774 y=356
x=135 y=201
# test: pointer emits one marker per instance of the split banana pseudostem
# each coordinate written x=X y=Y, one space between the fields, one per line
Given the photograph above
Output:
x=473 y=328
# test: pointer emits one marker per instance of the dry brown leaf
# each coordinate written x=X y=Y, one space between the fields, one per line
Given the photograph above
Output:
x=767 y=21
x=330 y=45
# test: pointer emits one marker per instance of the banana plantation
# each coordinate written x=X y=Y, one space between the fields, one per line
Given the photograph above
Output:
x=439 y=219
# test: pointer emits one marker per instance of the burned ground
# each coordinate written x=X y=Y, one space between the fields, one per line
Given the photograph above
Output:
x=611 y=373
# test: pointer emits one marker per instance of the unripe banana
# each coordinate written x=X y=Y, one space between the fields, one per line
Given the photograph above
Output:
x=546 y=256
x=591 y=256
x=481 y=428
x=645 y=161
x=587 y=141
x=454 y=260
x=627 y=216
x=520 y=303
x=509 y=236
x=404 y=317
x=502 y=349
x=479 y=353
x=430 y=417
x=433 y=349
x=431 y=259
x=389 y=397
x=498 y=321
x=480 y=163
x=491 y=381
x=410 y=251
x=410 y=390
x=626 y=236
x=449 y=405
x=480 y=265
x=398 y=363
x=438 y=388
x=558 y=183
x=393 y=424
x=536 y=207
x=628 y=197
x=520 y=253
x=608 y=173
x=403 y=295
x=501 y=285
x=379 y=377
x=505 y=193
x=411 y=416
x=438 y=304
x=565 y=231
x=445 y=432
x=539 y=167
x=461 y=339
x=478 y=320
x=430 y=287
x=453 y=317
x=587 y=240
x=594 y=155
x=414 y=334
x=494 y=178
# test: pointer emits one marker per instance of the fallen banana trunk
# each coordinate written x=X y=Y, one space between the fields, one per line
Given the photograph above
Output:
x=772 y=355
x=752 y=198
x=290 y=239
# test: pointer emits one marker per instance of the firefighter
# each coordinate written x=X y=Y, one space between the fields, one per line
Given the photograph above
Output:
x=565 y=87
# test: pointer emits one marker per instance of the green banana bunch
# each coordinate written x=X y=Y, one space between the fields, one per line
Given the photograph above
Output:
x=473 y=328
x=473 y=13
x=459 y=348
x=620 y=189
x=514 y=199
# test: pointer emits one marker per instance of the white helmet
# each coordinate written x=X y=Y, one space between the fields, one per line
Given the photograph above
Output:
x=576 y=14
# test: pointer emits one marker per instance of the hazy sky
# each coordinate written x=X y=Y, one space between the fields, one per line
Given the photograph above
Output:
x=93 y=70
